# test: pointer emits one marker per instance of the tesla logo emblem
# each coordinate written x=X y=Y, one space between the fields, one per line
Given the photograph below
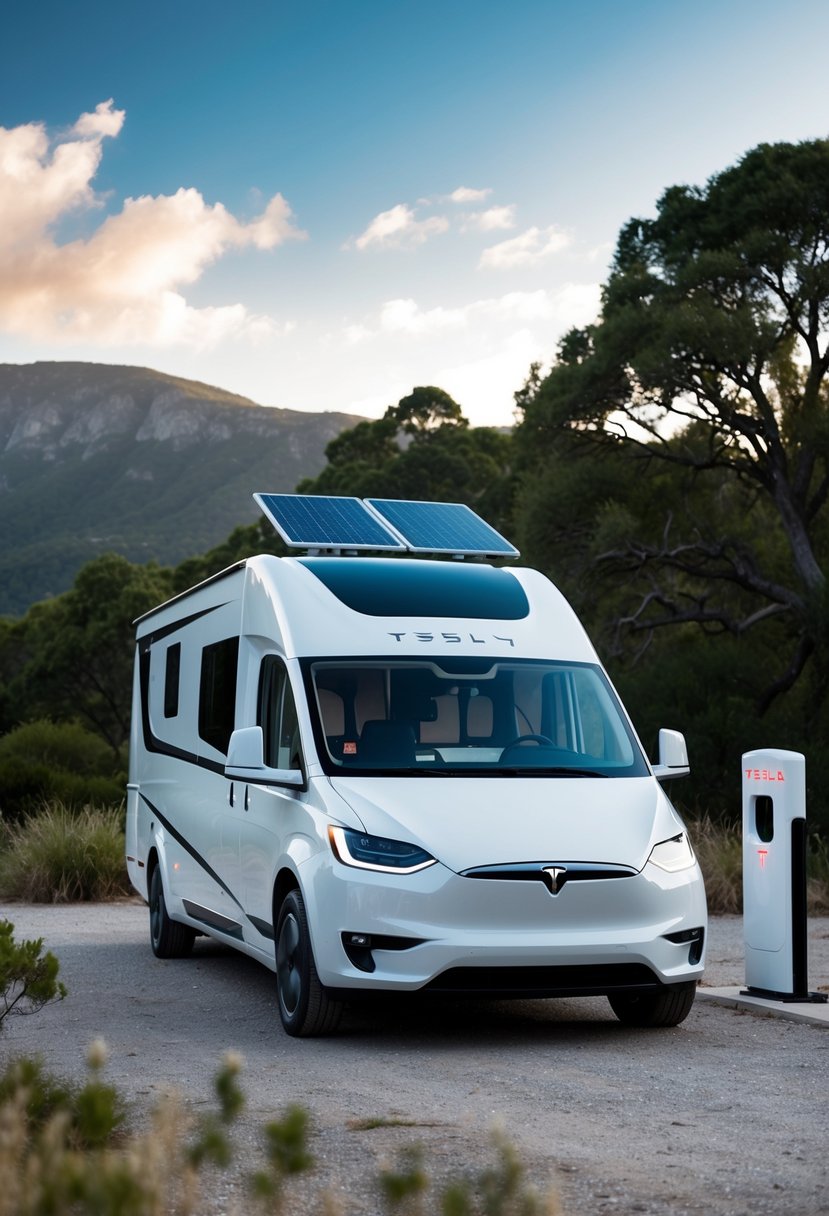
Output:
x=556 y=878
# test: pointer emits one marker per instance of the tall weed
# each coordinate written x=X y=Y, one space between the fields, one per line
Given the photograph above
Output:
x=719 y=850
x=64 y=1149
x=58 y=855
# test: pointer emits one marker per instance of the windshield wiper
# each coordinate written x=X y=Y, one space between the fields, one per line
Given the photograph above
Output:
x=539 y=770
x=495 y=770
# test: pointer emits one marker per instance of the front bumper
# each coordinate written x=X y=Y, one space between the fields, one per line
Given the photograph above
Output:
x=439 y=930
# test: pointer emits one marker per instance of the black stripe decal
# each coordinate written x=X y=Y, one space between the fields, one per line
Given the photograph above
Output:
x=165 y=631
x=263 y=927
x=197 y=857
x=214 y=919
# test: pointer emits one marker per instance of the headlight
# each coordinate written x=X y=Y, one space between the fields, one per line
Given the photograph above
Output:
x=674 y=854
x=377 y=853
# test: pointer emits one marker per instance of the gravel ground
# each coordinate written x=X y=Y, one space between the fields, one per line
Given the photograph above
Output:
x=725 y=1114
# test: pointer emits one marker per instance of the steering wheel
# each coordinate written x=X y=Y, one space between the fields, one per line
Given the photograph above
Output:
x=516 y=744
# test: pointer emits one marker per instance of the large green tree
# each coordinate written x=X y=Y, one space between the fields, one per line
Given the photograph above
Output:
x=422 y=448
x=710 y=357
x=71 y=657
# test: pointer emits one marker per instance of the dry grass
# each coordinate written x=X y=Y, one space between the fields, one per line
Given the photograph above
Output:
x=61 y=856
x=719 y=848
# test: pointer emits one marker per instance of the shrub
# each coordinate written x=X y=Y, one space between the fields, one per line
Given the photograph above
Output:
x=91 y=1114
x=65 y=745
x=59 y=856
x=41 y=761
x=28 y=978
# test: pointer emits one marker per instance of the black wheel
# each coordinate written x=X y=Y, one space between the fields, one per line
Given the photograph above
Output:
x=305 y=1006
x=668 y=1007
x=168 y=938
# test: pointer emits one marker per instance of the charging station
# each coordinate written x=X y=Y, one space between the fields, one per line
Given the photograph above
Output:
x=774 y=875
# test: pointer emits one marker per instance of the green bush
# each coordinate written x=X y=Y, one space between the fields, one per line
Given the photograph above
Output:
x=92 y=1114
x=66 y=745
x=42 y=761
x=60 y=856
x=28 y=977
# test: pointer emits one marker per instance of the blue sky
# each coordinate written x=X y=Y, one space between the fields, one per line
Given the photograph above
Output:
x=321 y=207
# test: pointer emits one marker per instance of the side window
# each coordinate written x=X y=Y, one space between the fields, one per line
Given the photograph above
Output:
x=217 y=692
x=277 y=715
x=171 y=680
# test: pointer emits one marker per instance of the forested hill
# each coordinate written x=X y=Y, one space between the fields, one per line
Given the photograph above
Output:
x=97 y=458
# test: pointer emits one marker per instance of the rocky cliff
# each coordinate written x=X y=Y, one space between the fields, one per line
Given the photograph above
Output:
x=96 y=457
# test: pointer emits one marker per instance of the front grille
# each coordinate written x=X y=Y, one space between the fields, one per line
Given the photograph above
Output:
x=554 y=874
x=573 y=980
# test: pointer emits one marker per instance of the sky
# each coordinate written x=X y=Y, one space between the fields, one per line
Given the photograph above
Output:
x=321 y=206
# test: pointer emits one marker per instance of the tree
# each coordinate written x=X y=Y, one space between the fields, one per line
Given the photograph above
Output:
x=71 y=657
x=426 y=409
x=711 y=355
x=422 y=448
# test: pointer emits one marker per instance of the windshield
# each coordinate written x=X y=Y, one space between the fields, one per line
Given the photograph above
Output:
x=468 y=716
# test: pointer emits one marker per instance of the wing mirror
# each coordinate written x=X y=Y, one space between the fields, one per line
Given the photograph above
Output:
x=673 y=756
x=246 y=761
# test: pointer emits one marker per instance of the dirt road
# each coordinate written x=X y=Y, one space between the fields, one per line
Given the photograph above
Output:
x=726 y=1114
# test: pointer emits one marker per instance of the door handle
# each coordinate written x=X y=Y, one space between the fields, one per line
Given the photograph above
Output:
x=247 y=797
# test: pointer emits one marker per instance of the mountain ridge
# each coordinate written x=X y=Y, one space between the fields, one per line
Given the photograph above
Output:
x=108 y=457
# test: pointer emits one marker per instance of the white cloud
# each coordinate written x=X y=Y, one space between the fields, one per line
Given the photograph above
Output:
x=478 y=352
x=464 y=194
x=601 y=253
x=525 y=250
x=484 y=386
x=35 y=191
x=355 y=334
x=570 y=305
x=404 y=316
x=491 y=220
x=399 y=228
x=105 y=121
x=575 y=304
x=122 y=283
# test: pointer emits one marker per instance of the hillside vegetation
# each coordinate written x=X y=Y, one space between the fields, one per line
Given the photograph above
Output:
x=97 y=459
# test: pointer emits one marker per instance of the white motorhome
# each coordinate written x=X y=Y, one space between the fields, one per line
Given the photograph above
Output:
x=404 y=774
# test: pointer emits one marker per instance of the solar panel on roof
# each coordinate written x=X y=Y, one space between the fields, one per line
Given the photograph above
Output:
x=309 y=521
x=442 y=527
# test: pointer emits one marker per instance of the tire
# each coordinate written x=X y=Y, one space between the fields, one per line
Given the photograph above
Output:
x=168 y=938
x=668 y=1007
x=305 y=1005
